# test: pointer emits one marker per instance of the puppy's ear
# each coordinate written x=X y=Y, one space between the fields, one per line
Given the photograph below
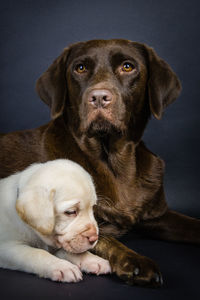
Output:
x=163 y=84
x=35 y=207
x=52 y=86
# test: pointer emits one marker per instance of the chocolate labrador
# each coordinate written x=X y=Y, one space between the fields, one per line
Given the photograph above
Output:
x=102 y=94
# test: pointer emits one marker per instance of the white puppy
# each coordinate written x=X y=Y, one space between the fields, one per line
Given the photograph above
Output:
x=48 y=208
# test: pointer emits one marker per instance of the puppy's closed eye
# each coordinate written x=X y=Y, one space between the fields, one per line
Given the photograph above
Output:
x=71 y=213
x=67 y=206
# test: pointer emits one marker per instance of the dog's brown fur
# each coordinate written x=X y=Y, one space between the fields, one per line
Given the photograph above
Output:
x=107 y=143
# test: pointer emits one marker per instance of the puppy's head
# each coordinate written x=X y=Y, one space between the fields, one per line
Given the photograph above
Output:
x=107 y=86
x=57 y=202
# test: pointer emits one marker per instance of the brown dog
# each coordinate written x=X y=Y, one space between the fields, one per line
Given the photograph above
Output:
x=101 y=95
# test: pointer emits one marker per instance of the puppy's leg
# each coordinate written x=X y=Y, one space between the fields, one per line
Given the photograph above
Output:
x=16 y=256
x=172 y=226
x=87 y=262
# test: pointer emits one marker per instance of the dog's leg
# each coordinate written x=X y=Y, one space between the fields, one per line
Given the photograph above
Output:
x=16 y=256
x=172 y=226
x=86 y=261
x=130 y=266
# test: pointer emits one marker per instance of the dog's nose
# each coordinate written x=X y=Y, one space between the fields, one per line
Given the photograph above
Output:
x=100 y=98
x=90 y=233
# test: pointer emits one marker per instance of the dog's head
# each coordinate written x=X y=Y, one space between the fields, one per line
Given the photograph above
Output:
x=57 y=202
x=107 y=86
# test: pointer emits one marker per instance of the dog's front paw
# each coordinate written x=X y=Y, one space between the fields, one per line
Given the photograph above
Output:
x=65 y=271
x=91 y=263
x=135 y=269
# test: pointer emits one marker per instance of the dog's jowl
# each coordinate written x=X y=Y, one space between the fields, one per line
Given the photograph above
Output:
x=101 y=94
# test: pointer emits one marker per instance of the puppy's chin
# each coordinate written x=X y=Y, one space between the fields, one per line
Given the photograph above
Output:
x=101 y=127
x=76 y=248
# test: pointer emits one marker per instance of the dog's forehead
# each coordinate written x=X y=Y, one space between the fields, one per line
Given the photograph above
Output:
x=105 y=48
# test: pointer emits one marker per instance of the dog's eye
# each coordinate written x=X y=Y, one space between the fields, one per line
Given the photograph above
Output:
x=127 y=67
x=80 y=68
x=71 y=212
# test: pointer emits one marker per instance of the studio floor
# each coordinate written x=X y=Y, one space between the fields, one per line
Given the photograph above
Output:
x=179 y=264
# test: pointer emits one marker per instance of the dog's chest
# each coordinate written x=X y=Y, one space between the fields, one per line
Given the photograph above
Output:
x=126 y=178
x=117 y=188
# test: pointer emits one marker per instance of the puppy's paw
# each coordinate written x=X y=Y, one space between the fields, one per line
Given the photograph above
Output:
x=91 y=263
x=65 y=271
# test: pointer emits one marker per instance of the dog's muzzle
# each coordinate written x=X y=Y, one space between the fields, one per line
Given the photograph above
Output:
x=100 y=98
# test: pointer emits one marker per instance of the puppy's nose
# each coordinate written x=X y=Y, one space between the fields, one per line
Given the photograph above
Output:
x=100 y=98
x=91 y=233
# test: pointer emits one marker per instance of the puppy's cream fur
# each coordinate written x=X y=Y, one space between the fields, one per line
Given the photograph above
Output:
x=48 y=208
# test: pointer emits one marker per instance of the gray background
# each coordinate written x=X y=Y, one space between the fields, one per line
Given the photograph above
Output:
x=32 y=34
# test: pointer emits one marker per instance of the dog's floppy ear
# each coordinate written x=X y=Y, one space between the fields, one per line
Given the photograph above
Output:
x=163 y=84
x=35 y=207
x=52 y=86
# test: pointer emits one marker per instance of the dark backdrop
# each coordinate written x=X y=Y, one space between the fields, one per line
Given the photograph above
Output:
x=33 y=33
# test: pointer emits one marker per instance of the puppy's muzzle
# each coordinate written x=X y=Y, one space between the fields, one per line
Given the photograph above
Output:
x=80 y=242
x=100 y=98
x=90 y=233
